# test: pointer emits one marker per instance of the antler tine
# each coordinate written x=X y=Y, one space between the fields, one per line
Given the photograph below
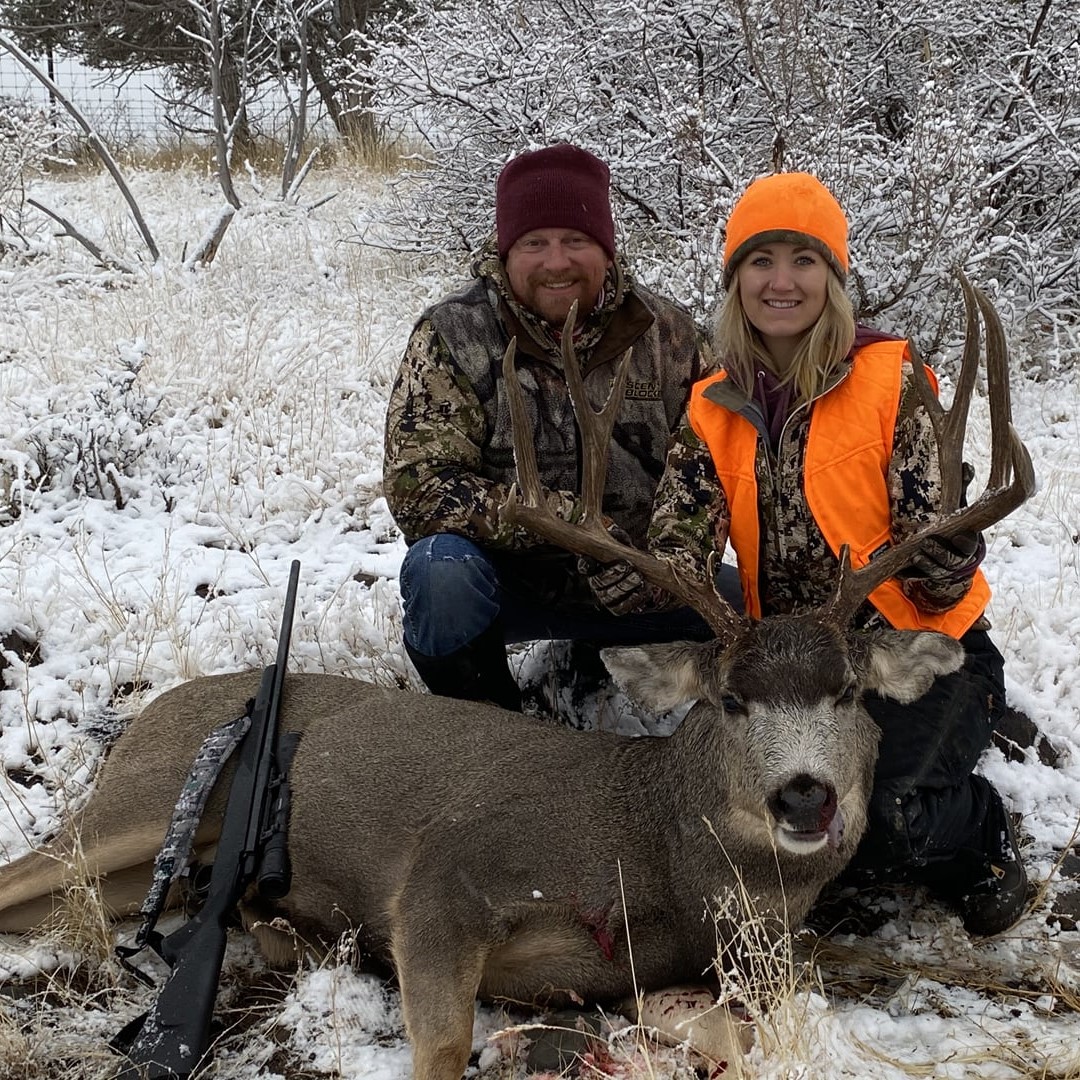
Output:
x=950 y=426
x=997 y=381
x=596 y=434
x=1008 y=455
x=528 y=475
x=589 y=536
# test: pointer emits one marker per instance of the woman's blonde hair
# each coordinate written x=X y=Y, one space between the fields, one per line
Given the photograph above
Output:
x=822 y=351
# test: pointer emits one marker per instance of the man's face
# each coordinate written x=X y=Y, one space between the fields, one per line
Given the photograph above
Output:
x=551 y=268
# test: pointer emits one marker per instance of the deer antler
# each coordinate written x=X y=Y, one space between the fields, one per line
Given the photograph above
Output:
x=1008 y=455
x=589 y=536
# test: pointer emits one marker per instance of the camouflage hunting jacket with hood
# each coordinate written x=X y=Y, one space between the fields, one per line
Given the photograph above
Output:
x=449 y=452
x=797 y=568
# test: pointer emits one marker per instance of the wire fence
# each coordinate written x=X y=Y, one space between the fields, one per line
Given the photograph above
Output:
x=126 y=109
x=121 y=109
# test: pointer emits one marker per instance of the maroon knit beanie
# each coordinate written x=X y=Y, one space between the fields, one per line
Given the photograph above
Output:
x=560 y=187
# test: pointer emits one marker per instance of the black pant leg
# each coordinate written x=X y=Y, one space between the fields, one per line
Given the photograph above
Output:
x=926 y=805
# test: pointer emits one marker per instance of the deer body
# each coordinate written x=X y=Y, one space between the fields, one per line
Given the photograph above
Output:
x=483 y=853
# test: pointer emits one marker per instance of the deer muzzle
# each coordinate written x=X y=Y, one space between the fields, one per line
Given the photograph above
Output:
x=807 y=815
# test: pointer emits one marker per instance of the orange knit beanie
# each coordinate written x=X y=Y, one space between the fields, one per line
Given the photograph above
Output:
x=789 y=208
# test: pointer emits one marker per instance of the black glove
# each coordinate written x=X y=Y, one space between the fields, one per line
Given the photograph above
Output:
x=947 y=560
x=617 y=587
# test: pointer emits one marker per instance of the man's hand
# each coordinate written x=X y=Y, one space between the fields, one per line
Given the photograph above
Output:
x=617 y=587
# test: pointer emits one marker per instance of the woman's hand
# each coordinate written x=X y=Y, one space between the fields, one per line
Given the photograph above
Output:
x=947 y=561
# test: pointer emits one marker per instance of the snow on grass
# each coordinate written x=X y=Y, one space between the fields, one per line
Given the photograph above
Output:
x=171 y=443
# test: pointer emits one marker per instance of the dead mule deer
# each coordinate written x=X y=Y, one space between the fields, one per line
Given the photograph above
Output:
x=483 y=853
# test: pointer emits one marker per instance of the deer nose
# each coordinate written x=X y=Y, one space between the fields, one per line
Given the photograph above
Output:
x=804 y=804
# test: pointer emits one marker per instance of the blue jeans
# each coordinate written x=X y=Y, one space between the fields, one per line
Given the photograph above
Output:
x=453 y=590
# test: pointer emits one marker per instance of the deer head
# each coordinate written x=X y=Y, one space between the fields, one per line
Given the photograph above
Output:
x=788 y=687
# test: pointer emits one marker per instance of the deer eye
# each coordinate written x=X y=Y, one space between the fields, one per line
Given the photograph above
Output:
x=731 y=704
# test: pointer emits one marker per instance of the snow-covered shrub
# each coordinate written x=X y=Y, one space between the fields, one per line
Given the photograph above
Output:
x=949 y=132
x=82 y=441
x=27 y=141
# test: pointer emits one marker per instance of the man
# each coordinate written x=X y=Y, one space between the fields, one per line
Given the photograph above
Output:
x=470 y=582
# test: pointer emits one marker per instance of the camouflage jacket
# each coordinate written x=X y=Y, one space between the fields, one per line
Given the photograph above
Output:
x=797 y=567
x=449 y=457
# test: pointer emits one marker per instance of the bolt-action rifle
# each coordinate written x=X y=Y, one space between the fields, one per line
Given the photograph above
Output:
x=170 y=1041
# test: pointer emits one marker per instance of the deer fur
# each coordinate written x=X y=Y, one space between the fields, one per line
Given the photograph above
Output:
x=485 y=854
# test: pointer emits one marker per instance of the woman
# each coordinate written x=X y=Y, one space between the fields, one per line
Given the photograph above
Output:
x=810 y=437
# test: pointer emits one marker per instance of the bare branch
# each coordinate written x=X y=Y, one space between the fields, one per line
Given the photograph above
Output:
x=204 y=254
x=70 y=230
x=298 y=112
x=300 y=176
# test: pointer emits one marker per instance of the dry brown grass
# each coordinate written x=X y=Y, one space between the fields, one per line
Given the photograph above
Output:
x=77 y=159
x=863 y=970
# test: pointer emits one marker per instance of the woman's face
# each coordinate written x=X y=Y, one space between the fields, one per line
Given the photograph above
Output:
x=783 y=288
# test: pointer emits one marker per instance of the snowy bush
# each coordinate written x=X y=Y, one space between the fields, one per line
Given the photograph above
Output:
x=27 y=140
x=82 y=441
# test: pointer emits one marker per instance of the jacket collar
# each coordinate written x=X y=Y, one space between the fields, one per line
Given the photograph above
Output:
x=769 y=407
x=726 y=393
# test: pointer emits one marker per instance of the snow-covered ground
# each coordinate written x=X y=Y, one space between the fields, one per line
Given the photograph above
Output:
x=170 y=444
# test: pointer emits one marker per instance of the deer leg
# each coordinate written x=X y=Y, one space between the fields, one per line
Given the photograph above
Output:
x=32 y=889
x=120 y=864
x=121 y=892
x=26 y=890
x=281 y=946
x=439 y=979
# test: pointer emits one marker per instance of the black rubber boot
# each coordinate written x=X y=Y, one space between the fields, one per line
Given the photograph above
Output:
x=995 y=902
x=986 y=884
x=478 y=671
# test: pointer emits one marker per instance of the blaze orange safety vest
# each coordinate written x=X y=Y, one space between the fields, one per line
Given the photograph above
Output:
x=846 y=466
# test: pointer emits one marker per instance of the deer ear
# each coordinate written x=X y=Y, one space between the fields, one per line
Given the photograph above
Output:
x=659 y=677
x=902 y=664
